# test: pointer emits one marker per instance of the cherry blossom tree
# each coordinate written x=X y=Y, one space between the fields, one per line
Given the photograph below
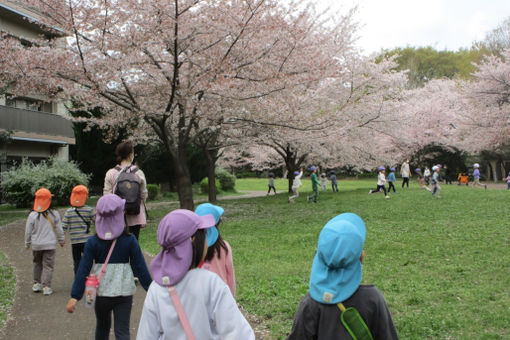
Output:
x=163 y=66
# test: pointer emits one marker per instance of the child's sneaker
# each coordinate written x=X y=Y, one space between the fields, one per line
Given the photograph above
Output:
x=47 y=291
x=37 y=287
x=387 y=196
x=370 y=192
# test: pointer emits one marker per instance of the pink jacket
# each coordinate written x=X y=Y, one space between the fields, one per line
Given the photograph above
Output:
x=109 y=182
x=224 y=267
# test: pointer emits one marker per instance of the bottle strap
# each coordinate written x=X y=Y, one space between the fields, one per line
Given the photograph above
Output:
x=180 y=311
x=45 y=214
x=86 y=222
x=103 y=268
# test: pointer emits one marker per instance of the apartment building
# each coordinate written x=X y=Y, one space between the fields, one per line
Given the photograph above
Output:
x=37 y=128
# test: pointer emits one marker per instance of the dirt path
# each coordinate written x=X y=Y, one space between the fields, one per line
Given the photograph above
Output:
x=34 y=316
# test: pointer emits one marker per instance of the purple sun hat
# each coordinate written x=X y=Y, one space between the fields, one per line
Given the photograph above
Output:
x=110 y=217
x=381 y=168
x=392 y=169
x=174 y=236
x=296 y=173
x=312 y=168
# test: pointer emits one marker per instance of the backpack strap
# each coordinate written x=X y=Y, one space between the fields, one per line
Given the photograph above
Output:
x=180 y=311
x=103 y=268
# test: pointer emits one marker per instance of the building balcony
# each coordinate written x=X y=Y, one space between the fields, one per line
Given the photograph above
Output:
x=36 y=126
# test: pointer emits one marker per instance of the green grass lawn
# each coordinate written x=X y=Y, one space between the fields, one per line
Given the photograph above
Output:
x=443 y=265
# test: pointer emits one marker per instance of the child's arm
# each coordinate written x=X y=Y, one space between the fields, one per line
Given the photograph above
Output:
x=61 y=237
x=231 y=276
x=29 y=227
x=138 y=261
x=305 y=322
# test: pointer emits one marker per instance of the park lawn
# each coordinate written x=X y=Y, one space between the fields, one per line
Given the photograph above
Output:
x=443 y=265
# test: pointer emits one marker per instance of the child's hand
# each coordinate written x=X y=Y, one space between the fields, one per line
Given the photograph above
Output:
x=62 y=244
x=71 y=305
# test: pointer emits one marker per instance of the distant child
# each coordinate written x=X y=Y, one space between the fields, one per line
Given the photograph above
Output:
x=295 y=185
x=508 y=181
x=315 y=185
x=463 y=179
x=78 y=220
x=117 y=284
x=334 y=181
x=43 y=230
x=435 y=181
x=391 y=180
x=476 y=177
x=426 y=174
x=381 y=181
x=324 y=182
x=185 y=301
x=270 y=184
x=421 y=179
x=335 y=285
x=219 y=254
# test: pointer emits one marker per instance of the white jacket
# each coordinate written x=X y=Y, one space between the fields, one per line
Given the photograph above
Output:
x=297 y=181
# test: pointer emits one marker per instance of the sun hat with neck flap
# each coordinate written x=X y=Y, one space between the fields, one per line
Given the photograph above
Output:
x=42 y=200
x=336 y=269
x=174 y=236
x=110 y=217
x=217 y=212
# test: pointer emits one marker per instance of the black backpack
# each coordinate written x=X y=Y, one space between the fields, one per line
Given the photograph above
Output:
x=127 y=186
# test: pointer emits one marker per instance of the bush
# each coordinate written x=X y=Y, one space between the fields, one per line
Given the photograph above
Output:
x=20 y=183
x=227 y=180
x=153 y=190
x=204 y=186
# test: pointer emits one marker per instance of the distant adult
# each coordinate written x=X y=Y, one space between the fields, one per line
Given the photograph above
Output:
x=125 y=155
x=447 y=173
x=405 y=171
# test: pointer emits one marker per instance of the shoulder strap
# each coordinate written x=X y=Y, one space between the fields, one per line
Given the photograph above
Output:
x=354 y=323
x=121 y=170
x=103 y=268
x=45 y=214
x=180 y=311
x=86 y=222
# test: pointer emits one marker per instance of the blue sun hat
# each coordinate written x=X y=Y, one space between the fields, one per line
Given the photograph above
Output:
x=381 y=168
x=417 y=170
x=392 y=169
x=336 y=269
x=217 y=212
x=312 y=168
x=296 y=173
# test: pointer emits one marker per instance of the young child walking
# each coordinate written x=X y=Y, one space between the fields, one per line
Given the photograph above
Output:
x=335 y=285
x=334 y=181
x=78 y=220
x=426 y=175
x=315 y=185
x=391 y=180
x=324 y=182
x=436 y=189
x=476 y=177
x=295 y=185
x=381 y=181
x=114 y=246
x=42 y=231
x=219 y=253
x=270 y=184
x=184 y=301
x=421 y=179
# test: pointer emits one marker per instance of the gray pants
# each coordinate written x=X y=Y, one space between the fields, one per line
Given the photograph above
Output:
x=296 y=194
x=44 y=262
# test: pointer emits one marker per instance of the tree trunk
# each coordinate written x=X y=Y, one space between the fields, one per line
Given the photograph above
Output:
x=494 y=164
x=183 y=179
x=211 y=177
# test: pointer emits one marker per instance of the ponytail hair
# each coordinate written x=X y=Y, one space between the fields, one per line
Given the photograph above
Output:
x=198 y=243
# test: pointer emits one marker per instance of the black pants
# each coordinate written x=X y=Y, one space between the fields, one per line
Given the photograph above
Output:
x=121 y=308
x=404 y=181
x=390 y=185
x=271 y=187
x=77 y=250
x=379 y=188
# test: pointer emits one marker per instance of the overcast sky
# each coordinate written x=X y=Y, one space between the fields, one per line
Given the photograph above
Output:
x=443 y=24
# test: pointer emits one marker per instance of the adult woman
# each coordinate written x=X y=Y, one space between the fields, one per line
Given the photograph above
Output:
x=405 y=171
x=125 y=155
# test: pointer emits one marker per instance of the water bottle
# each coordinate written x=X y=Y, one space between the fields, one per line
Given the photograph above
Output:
x=90 y=290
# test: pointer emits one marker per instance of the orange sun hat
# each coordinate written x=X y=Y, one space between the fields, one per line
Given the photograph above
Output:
x=79 y=196
x=42 y=200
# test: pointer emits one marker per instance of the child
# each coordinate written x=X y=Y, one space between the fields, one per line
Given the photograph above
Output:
x=78 y=221
x=270 y=184
x=336 y=278
x=476 y=177
x=334 y=181
x=42 y=231
x=508 y=181
x=381 y=181
x=421 y=179
x=219 y=254
x=391 y=180
x=435 y=181
x=405 y=171
x=426 y=174
x=324 y=182
x=315 y=185
x=117 y=287
x=205 y=307
x=295 y=185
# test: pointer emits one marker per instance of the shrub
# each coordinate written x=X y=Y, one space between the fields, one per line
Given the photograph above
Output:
x=153 y=190
x=20 y=183
x=204 y=186
x=227 y=180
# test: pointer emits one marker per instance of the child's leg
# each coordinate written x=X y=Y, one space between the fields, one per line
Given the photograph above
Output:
x=103 y=309
x=121 y=317
x=77 y=251
x=274 y=189
x=296 y=194
x=37 y=259
x=268 y=189
x=48 y=263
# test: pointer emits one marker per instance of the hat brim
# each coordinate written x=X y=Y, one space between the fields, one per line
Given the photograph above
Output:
x=206 y=221
x=42 y=204
x=212 y=236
